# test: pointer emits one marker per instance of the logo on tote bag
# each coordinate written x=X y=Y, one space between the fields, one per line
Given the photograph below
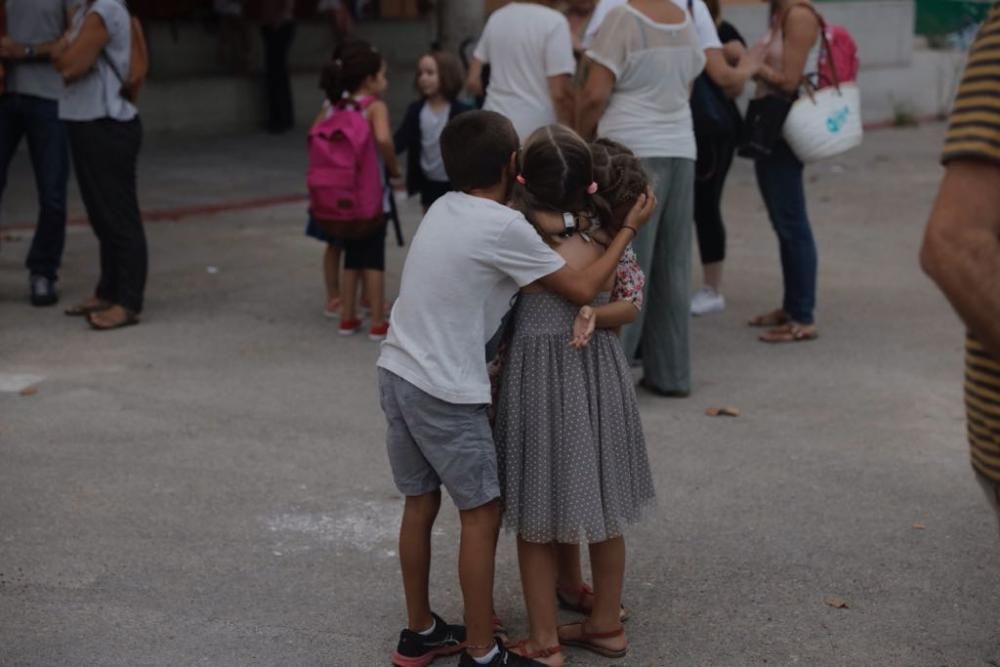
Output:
x=836 y=121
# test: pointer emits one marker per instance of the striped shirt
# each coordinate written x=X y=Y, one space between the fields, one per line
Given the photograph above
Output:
x=974 y=133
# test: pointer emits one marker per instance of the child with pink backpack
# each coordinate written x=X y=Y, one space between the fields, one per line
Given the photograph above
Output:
x=350 y=153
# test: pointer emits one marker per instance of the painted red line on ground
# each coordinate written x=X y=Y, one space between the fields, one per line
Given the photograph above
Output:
x=200 y=210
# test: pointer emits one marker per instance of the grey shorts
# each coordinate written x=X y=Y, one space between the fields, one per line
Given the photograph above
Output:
x=433 y=443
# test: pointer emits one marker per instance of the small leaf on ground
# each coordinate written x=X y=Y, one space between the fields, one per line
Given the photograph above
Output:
x=919 y=526
x=29 y=391
x=723 y=412
x=836 y=603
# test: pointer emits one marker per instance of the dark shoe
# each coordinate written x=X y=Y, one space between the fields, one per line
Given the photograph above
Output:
x=416 y=650
x=43 y=291
x=505 y=658
x=665 y=393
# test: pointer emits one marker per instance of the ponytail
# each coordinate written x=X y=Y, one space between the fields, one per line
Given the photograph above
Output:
x=351 y=65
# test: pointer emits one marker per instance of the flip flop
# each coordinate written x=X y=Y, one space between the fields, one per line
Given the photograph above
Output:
x=567 y=603
x=86 y=308
x=585 y=641
x=793 y=332
x=775 y=318
x=129 y=320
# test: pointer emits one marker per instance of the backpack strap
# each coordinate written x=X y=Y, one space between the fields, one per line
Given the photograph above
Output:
x=824 y=41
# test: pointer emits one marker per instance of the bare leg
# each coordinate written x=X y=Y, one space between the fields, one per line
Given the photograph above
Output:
x=713 y=275
x=374 y=282
x=419 y=514
x=569 y=571
x=607 y=560
x=477 y=554
x=331 y=272
x=538 y=579
x=348 y=295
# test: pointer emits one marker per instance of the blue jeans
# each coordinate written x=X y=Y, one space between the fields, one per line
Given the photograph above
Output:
x=38 y=119
x=779 y=178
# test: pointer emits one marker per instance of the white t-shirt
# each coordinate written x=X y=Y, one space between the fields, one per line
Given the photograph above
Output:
x=431 y=126
x=524 y=44
x=654 y=66
x=466 y=262
x=708 y=35
x=97 y=94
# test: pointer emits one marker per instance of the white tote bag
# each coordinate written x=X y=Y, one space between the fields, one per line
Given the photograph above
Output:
x=824 y=123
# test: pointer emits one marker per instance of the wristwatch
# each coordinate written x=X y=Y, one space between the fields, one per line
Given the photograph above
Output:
x=29 y=52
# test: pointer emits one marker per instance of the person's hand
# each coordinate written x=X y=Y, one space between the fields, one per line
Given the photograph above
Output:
x=642 y=210
x=59 y=47
x=753 y=58
x=9 y=49
x=583 y=328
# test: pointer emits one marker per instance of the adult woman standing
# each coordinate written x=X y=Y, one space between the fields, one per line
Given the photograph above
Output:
x=642 y=64
x=716 y=149
x=105 y=136
x=795 y=30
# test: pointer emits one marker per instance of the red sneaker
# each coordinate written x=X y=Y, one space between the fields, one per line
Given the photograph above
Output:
x=349 y=327
x=379 y=331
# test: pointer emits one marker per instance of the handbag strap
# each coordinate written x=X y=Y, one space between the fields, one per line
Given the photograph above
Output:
x=824 y=41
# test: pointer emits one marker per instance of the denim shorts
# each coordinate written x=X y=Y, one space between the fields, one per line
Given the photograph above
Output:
x=433 y=443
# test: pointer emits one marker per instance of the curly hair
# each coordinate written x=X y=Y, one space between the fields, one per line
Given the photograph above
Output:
x=620 y=179
x=557 y=168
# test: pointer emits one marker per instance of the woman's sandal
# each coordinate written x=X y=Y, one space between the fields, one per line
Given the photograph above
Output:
x=499 y=630
x=87 y=307
x=586 y=640
x=776 y=318
x=578 y=604
x=126 y=319
x=793 y=332
x=521 y=648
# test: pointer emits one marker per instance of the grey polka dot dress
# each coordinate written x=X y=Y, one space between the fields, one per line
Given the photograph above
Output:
x=571 y=454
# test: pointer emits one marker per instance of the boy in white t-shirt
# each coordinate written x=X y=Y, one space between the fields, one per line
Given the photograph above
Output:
x=530 y=52
x=468 y=259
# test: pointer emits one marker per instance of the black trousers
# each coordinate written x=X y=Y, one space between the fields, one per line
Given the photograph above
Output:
x=105 y=153
x=277 y=80
x=715 y=158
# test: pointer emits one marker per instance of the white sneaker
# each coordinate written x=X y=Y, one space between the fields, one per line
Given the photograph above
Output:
x=707 y=300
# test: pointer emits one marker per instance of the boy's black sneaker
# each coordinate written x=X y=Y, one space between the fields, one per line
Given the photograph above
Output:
x=504 y=658
x=417 y=650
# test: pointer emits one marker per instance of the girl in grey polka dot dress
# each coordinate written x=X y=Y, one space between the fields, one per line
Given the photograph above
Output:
x=571 y=454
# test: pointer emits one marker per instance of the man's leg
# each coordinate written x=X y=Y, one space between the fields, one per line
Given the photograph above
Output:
x=49 y=149
x=415 y=557
x=476 y=560
x=11 y=131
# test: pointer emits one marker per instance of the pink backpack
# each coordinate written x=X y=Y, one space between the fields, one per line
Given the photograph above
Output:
x=840 y=54
x=344 y=179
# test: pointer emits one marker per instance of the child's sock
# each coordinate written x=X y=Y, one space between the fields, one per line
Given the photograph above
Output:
x=485 y=660
x=429 y=631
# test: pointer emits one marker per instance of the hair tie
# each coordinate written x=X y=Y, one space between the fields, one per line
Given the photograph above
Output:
x=520 y=179
x=592 y=188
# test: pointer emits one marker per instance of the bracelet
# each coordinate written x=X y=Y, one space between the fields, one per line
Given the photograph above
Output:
x=635 y=232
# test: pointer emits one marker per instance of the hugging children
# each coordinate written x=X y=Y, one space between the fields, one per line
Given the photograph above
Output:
x=469 y=257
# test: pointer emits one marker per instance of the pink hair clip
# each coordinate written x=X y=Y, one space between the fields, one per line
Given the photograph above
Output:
x=520 y=179
x=592 y=188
